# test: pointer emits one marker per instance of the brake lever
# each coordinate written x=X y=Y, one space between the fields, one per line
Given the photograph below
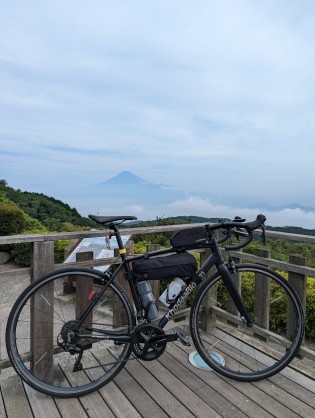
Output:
x=263 y=234
x=238 y=232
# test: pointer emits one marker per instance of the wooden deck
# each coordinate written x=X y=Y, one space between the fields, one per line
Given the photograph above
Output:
x=169 y=387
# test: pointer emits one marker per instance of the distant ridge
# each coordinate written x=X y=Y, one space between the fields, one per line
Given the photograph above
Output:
x=173 y=220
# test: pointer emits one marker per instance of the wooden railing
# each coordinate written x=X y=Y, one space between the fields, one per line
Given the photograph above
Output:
x=43 y=261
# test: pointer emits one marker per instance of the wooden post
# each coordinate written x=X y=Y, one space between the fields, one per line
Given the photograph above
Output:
x=155 y=284
x=41 y=312
x=83 y=288
x=298 y=282
x=231 y=308
x=262 y=295
x=119 y=314
x=42 y=258
x=208 y=318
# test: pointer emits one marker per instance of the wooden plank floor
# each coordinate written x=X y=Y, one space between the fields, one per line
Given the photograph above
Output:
x=169 y=387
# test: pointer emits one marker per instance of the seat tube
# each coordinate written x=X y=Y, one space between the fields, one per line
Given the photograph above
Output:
x=122 y=250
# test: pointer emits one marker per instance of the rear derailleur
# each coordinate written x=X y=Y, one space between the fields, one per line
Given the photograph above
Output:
x=68 y=340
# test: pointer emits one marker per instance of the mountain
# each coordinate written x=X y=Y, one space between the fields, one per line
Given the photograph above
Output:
x=129 y=189
x=124 y=178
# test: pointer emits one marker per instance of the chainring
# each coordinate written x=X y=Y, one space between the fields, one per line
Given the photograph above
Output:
x=146 y=346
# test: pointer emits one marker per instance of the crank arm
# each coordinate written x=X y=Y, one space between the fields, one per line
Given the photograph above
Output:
x=166 y=337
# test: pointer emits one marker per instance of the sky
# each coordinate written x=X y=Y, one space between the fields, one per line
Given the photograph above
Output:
x=214 y=97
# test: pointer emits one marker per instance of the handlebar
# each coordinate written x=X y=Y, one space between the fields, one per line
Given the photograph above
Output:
x=236 y=227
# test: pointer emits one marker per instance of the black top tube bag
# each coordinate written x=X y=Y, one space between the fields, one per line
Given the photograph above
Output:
x=166 y=267
x=190 y=238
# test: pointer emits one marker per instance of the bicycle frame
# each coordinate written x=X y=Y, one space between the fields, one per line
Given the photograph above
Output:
x=215 y=259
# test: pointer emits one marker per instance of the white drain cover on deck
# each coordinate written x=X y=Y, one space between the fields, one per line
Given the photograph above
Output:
x=196 y=360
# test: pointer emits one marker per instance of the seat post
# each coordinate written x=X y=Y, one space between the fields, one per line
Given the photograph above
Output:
x=122 y=250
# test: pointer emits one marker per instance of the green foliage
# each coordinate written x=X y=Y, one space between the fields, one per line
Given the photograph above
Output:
x=21 y=253
x=140 y=247
x=12 y=220
x=60 y=247
x=282 y=249
x=69 y=227
x=33 y=226
x=278 y=313
x=23 y=256
x=161 y=238
x=3 y=198
x=310 y=308
x=50 y=212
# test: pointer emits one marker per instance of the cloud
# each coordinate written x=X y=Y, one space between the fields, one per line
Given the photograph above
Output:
x=195 y=205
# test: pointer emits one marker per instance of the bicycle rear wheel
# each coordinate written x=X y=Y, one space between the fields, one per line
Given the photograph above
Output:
x=227 y=344
x=48 y=349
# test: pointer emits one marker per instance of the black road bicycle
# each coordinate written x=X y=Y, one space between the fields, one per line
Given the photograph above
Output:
x=73 y=330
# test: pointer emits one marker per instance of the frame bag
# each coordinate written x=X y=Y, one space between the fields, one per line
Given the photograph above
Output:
x=168 y=267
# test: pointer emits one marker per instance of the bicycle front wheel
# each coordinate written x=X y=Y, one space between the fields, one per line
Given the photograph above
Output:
x=48 y=346
x=227 y=344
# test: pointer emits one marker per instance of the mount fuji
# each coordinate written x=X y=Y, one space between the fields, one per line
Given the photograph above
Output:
x=128 y=185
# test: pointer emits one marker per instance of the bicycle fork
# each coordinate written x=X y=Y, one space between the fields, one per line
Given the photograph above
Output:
x=234 y=293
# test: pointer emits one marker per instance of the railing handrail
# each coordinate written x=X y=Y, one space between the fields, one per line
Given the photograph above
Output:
x=53 y=236
x=46 y=237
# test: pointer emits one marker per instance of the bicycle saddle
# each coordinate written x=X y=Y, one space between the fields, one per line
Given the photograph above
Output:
x=109 y=219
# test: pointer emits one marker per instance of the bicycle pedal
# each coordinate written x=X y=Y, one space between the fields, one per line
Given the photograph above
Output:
x=184 y=340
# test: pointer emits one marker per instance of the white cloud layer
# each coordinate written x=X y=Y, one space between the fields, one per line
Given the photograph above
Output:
x=195 y=205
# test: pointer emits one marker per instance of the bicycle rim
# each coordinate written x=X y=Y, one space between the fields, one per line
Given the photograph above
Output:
x=227 y=344
x=48 y=349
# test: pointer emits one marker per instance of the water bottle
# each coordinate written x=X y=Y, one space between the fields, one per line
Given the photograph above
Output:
x=173 y=290
x=148 y=300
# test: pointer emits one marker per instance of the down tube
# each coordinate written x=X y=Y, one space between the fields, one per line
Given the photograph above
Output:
x=190 y=287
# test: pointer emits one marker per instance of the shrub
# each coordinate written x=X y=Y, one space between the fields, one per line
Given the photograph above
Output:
x=12 y=219
x=22 y=252
x=33 y=226
x=310 y=308
x=60 y=247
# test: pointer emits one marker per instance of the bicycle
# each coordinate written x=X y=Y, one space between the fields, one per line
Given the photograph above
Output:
x=70 y=332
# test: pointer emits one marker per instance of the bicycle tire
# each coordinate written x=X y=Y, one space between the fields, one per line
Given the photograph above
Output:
x=45 y=316
x=224 y=341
